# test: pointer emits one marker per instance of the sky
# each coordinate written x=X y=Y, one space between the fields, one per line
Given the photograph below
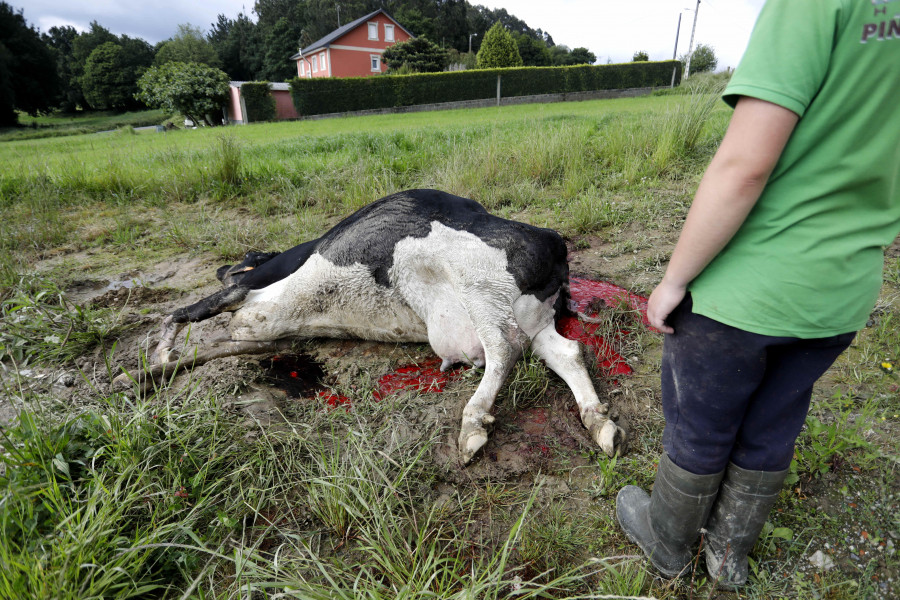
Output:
x=612 y=29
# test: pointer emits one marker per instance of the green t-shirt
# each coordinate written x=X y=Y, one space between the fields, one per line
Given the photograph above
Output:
x=808 y=260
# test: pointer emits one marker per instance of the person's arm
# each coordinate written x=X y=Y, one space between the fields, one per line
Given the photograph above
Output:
x=730 y=187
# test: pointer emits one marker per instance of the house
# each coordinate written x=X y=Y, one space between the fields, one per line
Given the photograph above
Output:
x=236 y=111
x=353 y=50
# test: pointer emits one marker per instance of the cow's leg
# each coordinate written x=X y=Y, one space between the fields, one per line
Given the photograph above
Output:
x=201 y=355
x=564 y=357
x=503 y=343
x=222 y=301
x=169 y=330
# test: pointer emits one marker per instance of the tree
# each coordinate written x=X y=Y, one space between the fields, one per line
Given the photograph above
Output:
x=703 y=59
x=187 y=45
x=28 y=78
x=238 y=46
x=640 y=56
x=195 y=90
x=418 y=54
x=498 y=49
x=61 y=40
x=110 y=75
x=534 y=52
x=582 y=56
x=280 y=43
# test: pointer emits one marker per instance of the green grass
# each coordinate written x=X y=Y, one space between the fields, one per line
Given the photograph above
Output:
x=61 y=125
x=178 y=495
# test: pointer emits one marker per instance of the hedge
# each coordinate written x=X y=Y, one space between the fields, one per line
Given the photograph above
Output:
x=258 y=101
x=330 y=95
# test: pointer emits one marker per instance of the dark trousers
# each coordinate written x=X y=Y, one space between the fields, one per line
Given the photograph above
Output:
x=732 y=395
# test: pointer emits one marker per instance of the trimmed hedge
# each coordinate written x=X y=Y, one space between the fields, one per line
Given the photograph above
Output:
x=331 y=95
x=259 y=101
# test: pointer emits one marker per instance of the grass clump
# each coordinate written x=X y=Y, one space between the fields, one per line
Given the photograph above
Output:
x=41 y=325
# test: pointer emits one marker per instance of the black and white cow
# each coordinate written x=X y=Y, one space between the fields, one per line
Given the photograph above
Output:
x=416 y=266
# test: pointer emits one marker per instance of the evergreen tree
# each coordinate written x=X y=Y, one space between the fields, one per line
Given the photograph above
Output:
x=281 y=43
x=28 y=77
x=418 y=55
x=187 y=45
x=498 y=50
x=61 y=41
x=640 y=56
x=238 y=46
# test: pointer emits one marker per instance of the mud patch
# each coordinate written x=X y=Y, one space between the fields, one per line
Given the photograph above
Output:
x=297 y=375
x=139 y=295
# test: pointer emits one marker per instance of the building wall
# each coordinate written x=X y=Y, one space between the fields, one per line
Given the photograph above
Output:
x=351 y=54
x=284 y=105
x=234 y=105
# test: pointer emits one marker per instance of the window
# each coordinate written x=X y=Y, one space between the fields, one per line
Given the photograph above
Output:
x=388 y=33
x=373 y=31
x=315 y=61
x=376 y=62
x=302 y=67
x=322 y=61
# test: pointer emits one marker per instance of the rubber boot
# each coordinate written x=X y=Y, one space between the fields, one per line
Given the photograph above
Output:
x=666 y=523
x=738 y=515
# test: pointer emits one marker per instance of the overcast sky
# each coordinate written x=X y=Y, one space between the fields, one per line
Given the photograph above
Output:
x=611 y=29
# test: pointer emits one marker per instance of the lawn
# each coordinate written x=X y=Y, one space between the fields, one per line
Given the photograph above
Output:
x=217 y=485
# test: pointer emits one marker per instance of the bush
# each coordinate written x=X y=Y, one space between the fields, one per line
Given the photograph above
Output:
x=330 y=95
x=196 y=91
x=259 y=101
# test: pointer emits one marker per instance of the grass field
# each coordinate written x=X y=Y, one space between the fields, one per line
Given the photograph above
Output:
x=181 y=494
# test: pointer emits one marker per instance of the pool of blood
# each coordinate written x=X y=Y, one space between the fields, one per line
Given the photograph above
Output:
x=426 y=377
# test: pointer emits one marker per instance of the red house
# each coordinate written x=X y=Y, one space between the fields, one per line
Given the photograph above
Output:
x=353 y=50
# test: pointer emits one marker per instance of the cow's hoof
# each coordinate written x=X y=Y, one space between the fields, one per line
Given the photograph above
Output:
x=121 y=381
x=161 y=356
x=472 y=438
x=604 y=431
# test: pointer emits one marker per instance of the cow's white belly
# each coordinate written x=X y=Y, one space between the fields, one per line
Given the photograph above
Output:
x=325 y=300
x=457 y=284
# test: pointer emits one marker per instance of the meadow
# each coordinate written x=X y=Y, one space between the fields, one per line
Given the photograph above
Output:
x=180 y=494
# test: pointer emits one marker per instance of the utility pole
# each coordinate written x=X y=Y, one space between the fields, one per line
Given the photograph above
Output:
x=687 y=69
x=677 y=34
x=338 y=6
x=675 y=51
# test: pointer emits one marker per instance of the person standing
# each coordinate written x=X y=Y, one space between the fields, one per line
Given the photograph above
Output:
x=778 y=265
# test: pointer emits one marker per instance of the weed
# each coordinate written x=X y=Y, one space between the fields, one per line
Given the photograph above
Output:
x=627 y=577
x=552 y=542
x=228 y=161
x=40 y=324
x=526 y=387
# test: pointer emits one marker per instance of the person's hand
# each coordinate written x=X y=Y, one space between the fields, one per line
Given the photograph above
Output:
x=662 y=302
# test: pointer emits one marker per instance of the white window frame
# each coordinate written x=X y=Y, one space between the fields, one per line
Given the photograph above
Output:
x=388 y=32
x=302 y=68
x=322 y=61
x=315 y=63
x=373 y=30
x=375 y=63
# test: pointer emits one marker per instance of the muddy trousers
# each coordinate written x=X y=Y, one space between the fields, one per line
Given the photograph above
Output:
x=733 y=396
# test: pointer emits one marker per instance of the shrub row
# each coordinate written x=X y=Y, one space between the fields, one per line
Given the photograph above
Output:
x=258 y=101
x=329 y=95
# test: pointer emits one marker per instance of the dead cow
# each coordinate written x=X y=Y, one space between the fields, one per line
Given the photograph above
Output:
x=416 y=266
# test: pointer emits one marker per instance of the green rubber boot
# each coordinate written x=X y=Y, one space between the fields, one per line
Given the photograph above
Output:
x=667 y=523
x=745 y=500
